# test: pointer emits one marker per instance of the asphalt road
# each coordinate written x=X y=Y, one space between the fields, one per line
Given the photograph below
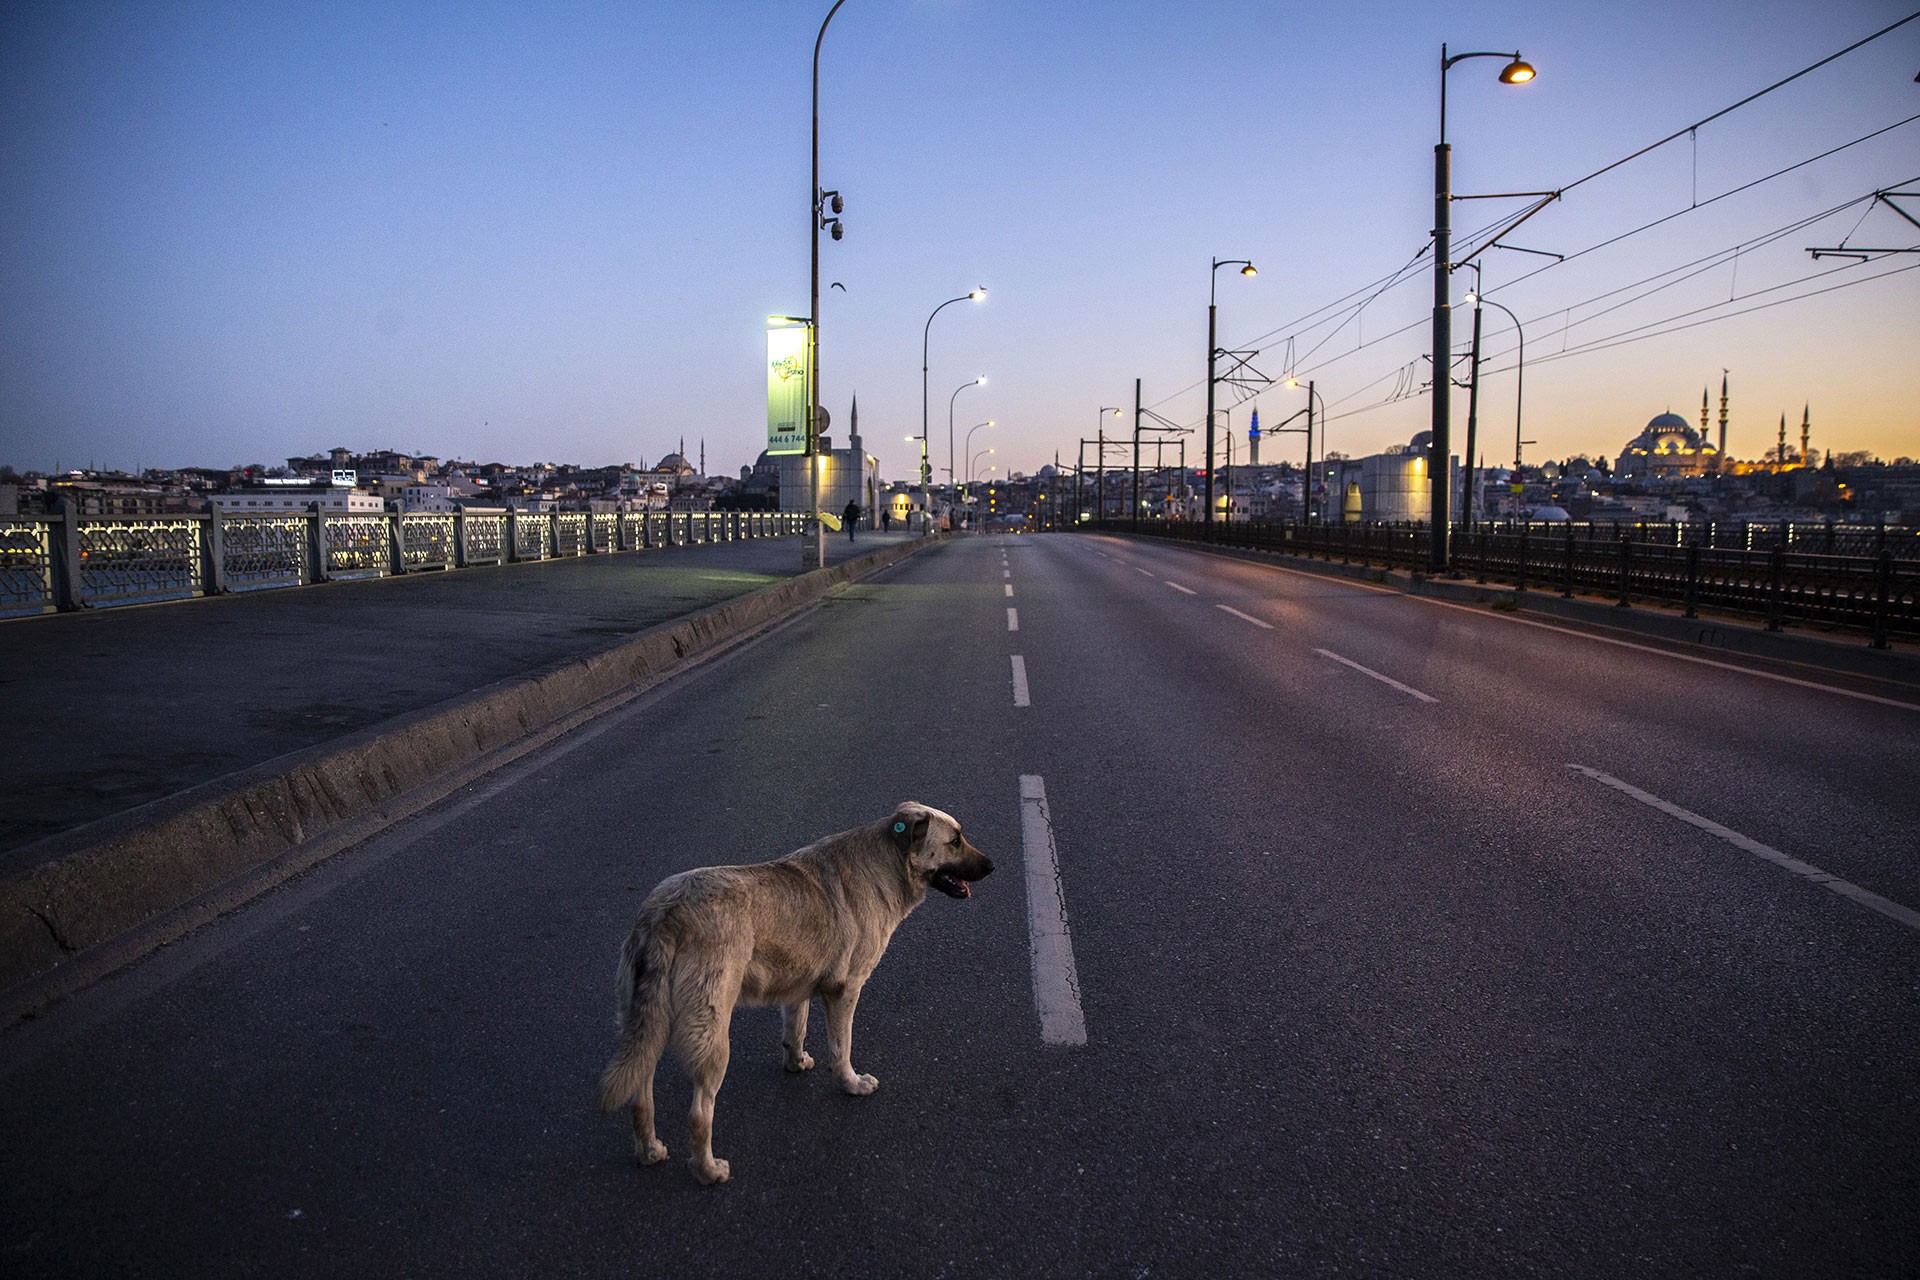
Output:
x=1372 y=980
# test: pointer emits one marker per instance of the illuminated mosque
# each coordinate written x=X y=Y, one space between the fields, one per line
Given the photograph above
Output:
x=1671 y=449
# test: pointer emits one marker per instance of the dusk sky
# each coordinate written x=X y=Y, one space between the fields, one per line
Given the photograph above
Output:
x=238 y=232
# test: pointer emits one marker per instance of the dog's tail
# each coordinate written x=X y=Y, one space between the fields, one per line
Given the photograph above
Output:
x=641 y=986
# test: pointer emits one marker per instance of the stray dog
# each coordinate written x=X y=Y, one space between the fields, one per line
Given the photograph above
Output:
x=814 y=923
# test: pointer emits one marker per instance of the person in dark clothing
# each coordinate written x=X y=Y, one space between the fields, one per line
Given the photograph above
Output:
x=886 y=520
x=852 y=516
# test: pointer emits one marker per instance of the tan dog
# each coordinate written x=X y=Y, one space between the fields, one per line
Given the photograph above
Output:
x=814 y=923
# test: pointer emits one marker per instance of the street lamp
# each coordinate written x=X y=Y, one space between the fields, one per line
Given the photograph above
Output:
x=1519 y=386
x=926 y=469
x=1100 y=485
x=1306 y=483
x=976 y=462
x=969 y=449
x=1515 y=72
x=1246 y=269
x=951 y=479
x=813 y=553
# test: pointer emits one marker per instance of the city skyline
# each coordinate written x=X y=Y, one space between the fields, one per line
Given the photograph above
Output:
x=513 y=236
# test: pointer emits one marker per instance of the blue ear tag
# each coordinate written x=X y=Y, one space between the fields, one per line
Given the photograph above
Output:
x=899 y=828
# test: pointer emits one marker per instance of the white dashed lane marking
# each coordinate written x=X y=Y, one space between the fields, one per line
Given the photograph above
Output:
x=1245 y=617
x=1056 y=982
x=1020 y=698
x=1013 y=619
x=1177 y=587
x=1369 y=671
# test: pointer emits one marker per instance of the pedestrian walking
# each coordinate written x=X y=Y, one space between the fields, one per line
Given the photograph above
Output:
x=852 y=516
x=886 y=520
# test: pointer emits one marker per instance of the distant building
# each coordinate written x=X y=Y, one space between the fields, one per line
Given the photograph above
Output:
x=300 y=495
x=1668 y=449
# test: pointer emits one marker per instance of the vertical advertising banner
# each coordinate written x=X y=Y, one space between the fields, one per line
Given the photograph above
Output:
x=787 y=375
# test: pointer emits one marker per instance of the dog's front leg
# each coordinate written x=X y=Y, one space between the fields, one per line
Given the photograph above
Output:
x=840 y=1005
x=793 y=1019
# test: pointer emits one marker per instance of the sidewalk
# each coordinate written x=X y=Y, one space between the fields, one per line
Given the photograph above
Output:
x=112 y=709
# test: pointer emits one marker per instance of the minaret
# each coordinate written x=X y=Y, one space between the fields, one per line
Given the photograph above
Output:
x=1253 y=441
x=703 y=455
x=1703 y=413
x=1780 y=450
x=1806 y=425
x=1723 y=413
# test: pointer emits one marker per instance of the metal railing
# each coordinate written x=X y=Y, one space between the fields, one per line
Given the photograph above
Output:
x=65 y=561
x=1864 y=577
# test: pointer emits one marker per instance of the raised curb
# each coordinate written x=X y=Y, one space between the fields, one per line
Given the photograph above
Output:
x=85 y=887
x=1726 y=635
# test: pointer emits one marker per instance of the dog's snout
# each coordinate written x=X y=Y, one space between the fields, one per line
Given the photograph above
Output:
x=986 y=867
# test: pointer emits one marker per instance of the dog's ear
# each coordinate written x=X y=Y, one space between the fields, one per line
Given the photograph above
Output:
x=909 y=830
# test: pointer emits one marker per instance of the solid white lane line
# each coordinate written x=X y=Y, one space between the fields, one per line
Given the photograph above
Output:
x=1013 y=619
x=1678 y=657
x=1177 y=587
x=1369 y=671
x=1245 y=617
x=1009 y=591
x=1020 y=698
x=1866 y=898
x=1056 y=983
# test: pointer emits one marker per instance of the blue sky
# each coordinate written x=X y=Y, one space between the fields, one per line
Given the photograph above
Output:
x=239 y=232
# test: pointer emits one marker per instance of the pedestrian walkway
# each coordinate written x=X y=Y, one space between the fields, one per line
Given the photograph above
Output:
x=112 y=709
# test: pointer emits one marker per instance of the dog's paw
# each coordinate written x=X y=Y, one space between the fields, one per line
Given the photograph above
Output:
x=652 y=1152
x=803 y=1061
x=713 y=1171
x=860 y=1086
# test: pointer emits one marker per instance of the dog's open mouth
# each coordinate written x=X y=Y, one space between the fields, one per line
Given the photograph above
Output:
x=951 y=885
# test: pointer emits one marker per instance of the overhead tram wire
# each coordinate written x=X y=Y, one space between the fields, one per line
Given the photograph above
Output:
x=1708 y=262
x=1400 y=275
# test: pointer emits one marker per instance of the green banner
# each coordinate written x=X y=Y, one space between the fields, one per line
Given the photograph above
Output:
x=787 y=374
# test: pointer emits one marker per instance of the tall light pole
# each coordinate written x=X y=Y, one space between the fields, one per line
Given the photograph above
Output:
x=969 y=449
x=1519 y=383
x=926 y=467
x=1515 y=72
x=1100 y=435
x=1306 y=483
x=975 y=461
x=813 y=553
x=951 y=478
x=1213 y=349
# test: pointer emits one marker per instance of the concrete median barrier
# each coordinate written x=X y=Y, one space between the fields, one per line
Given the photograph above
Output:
x=77 y=891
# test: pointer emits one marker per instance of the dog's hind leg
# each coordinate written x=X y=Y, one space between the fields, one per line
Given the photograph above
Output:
x=793 y=1020
x=704 y=1046
x=840 y=1005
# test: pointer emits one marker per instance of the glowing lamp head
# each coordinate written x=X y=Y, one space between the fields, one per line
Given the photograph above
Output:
x=1249 y=270
x=1516 y=72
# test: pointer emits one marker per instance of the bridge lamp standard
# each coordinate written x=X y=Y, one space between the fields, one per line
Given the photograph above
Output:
x=1306 y=490
x=977 y=382
x=1213 y=349
x=823 y=210
x=1515 y=72
x=926 y=468
x=969 y=449
x=1519 y=386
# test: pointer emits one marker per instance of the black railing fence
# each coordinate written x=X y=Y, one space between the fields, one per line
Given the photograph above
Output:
x=1864 y=577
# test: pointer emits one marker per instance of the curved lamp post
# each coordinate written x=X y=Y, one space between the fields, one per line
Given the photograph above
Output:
x=813 y=552
x=975 y=462
x=1306 y=487
x=951 y=478
x=1213 y=345
x=926 y=468
x=1519 y=385
x=969 y=447
x=1515 y=72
